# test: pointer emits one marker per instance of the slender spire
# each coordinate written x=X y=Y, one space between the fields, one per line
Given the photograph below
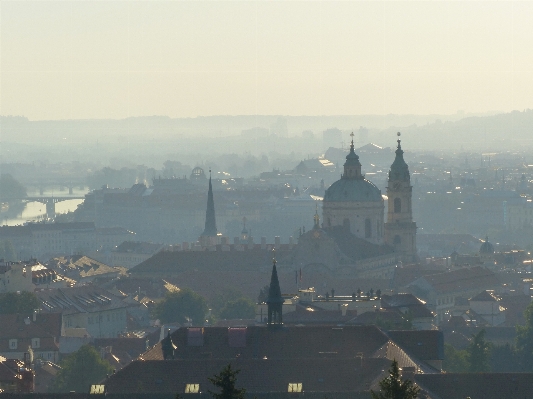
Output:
x=210 y=222
x=274 y=300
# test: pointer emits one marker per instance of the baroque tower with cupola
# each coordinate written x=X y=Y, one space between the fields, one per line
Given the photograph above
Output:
x=400 y=229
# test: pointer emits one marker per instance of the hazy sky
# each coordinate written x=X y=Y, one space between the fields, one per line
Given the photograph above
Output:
x=114 y=59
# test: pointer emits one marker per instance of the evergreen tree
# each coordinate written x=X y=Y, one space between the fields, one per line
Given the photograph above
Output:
x=455 y=361
x=392 y=387
x=80 y=370
x=225 y=381
x=24 y=303
x=524 y=341
x=478 y=353
x=242 y=308
x=504 y=359
x=181 y=306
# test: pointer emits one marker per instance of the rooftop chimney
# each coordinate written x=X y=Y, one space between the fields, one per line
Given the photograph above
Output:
x=263 y=242
x=277 y=242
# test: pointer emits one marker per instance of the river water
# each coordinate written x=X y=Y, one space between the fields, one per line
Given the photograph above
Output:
x=35 y=211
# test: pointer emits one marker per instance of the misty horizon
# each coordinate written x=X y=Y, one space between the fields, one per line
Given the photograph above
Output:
x=114 y=60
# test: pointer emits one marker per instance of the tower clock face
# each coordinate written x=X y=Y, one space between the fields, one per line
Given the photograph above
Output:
x=316 y=234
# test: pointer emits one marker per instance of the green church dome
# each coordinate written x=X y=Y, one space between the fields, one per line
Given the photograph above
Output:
x=352 y=187
x=353 y=190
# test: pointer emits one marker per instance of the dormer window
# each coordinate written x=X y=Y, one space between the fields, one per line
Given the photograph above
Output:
x=192 y=388
x=35 y=343
x=13 y=344
x=295 y=387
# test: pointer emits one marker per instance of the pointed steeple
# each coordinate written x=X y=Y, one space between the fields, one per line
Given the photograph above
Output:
x=352 y=166
x=210 y=229
x=399 y=169
x=274 y=300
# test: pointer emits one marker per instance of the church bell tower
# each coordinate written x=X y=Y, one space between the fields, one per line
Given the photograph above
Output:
x=274 y=300
x=400 y=230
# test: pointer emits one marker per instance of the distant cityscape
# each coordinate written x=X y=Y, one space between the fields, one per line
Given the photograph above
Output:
x=311 y=278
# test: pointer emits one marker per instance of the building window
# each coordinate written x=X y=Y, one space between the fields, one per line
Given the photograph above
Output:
x=97 y=389
x=397 y=205
x=192 y=388
x=35 y=343
x=295 y=387
x=368 y=228
x=13 y=344
x=397 y=240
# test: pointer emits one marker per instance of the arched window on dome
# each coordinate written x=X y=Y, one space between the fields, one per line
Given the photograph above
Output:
x=368 y=228
x=397 y=240
x=329 y=222
x=397 y=205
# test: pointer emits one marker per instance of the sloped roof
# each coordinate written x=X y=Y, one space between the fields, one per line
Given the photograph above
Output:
x=477 y=385
x=424 y=344
x=399 y=300
x=303 y=315
x=353 y=246
x=288 y=342
x=169 y=263
x=484 y=296
x=384 y=315
x=256 y=375
x=46 y=325
x=462 y=280
x=86 y=298
x=138 y=247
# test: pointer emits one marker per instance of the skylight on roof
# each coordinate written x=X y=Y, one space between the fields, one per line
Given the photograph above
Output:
x=295 y=387
x=192 y=388
x=97 y=389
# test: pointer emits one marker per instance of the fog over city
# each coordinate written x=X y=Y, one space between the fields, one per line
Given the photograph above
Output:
x=266 y=198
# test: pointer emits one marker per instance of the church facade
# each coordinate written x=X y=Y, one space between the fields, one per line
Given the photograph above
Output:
x=355 y=203
x=354 y=238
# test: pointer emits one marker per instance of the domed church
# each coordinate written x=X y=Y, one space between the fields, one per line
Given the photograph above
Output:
x=357 y=204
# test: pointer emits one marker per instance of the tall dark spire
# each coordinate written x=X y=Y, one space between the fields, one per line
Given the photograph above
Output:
x=210 y=222
x=274 y=300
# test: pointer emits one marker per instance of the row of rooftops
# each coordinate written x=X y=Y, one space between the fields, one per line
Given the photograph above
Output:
x=85 y=299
